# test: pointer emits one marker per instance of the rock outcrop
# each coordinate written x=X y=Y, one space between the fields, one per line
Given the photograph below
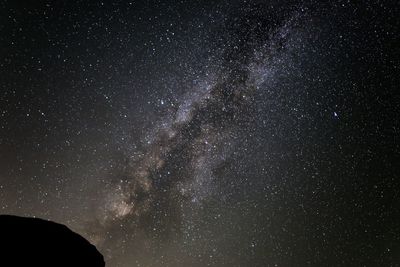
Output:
x=36 y=242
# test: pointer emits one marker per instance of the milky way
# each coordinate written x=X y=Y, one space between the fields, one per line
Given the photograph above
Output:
x=232 y=133
x=201 y=126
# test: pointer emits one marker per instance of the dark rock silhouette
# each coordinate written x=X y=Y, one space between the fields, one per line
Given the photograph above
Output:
x=36 y=242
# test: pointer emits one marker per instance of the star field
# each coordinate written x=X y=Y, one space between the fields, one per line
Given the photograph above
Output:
x=191 y=133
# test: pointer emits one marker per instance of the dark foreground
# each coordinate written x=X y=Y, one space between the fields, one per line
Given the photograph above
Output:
x=36 y=242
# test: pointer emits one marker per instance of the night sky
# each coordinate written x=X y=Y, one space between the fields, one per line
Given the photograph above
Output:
x=206 y=133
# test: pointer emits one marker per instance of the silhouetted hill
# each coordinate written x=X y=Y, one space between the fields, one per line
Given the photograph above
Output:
x=36 y=242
